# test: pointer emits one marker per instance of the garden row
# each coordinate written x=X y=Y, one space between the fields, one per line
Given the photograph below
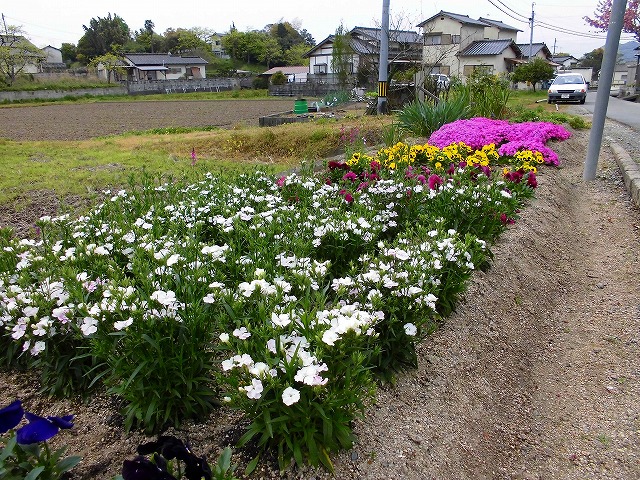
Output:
x=288 y=298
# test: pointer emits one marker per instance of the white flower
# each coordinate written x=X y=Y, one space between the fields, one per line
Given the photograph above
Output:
x=290 y=396
x=242 y=333
x=122 y=324
x=164 y=298
x=410 y=329
x=173 y=259
x=89 y=326
x=310 y=375
x=281 y=320
x=254 y=391
x=258 y=369
x=224 y=337
x=37 y=348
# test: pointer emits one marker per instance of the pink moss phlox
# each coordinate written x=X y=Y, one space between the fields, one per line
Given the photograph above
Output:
x=511 y=137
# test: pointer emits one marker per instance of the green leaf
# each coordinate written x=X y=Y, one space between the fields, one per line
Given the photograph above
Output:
x=68 y=463
x=33 y=474
x=7 y=451
x=252 y=465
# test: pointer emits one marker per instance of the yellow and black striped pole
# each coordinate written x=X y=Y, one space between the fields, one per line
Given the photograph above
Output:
x=384 y=59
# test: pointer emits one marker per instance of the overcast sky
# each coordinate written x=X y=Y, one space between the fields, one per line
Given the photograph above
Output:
x=52 y=22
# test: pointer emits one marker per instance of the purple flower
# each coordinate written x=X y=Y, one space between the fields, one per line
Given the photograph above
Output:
x=40 y=429
x=10 y=416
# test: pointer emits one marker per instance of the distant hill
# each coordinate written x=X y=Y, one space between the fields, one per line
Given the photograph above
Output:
x=626 y=50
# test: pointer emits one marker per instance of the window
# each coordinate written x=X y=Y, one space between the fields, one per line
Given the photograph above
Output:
x=469 y=69
x=455 y=39
x=433 y=39
x=320 y=69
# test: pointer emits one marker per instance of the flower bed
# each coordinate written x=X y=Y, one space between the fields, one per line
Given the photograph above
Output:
x=286 y=298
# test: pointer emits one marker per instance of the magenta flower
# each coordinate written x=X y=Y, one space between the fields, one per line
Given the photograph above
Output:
x=281 y=181
x=348 y=197
x=434 y=181
x=478 y=132
x=193 y=156
x=422 y=179
x=350 y=176
x=532 y=181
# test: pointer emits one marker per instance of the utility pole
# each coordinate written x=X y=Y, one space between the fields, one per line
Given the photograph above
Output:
x=384 y=59
x=4 y=22
x=616 y=21
x=554 y=46
x=531 y=36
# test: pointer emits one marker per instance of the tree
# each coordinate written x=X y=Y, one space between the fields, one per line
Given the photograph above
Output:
x=270 y=52
x=69 y=53
x=602 y=15
x=592 y=59
x=16 y=52
x=342 y=56
x=103 y=35
x=112 y=63
x=534 y=72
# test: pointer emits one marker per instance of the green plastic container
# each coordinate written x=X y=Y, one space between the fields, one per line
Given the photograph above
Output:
x=300 y=106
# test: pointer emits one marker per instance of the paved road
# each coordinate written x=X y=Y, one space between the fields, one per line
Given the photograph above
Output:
x=619 y=110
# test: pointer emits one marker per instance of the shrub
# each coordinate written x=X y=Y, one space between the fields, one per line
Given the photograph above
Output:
x=422 y=118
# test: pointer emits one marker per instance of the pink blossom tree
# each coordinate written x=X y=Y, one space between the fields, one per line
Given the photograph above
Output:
x=602 y=15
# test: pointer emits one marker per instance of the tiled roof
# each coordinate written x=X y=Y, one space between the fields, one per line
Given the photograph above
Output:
x=402 y=36
x=499 y=24
x=465 y=19
x=535 y=48
x=489 y=47
x=163 y=59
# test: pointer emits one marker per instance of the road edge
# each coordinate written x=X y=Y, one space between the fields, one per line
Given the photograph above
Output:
x=629 y=168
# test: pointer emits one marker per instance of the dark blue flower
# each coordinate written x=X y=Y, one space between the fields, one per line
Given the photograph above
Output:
x=40 y=429
x=141 y=468
x=10 y=416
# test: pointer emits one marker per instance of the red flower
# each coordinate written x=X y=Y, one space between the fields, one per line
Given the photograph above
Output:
x=348 y=198
x=350 y=176
x=532 y=181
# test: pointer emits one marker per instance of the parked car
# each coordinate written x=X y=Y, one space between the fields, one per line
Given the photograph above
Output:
x=568 y=87
x=442 y=81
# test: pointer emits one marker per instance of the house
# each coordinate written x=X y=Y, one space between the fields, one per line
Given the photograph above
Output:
x=216 y=46
x=565 y=62
x=405 y=49
x=163 y=66
x=536 y=50
x=26 y=57
x=456 y=45
x=294 y=74
x=52 y=61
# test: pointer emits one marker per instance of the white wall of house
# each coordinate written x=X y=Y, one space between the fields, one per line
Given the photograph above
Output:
x=320 y=62
x=496 y=64
x=54 y=55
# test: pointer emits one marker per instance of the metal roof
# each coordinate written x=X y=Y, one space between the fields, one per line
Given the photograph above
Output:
x=489 y=47
x=292 y=70
x=465 y=19
x=140 y=59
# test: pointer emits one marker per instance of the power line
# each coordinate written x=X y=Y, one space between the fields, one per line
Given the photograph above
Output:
x=508 y=14
x=512 y=10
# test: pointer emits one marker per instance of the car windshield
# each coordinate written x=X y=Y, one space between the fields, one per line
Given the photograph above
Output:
x=568 y=80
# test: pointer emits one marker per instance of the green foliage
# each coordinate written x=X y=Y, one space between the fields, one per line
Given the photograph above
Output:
x=592 y=59
x=111 y=63
x=342 y=56
x=540 y=115
x=488 y=94
x=278 y=78
x=422 y=118
x=103 y=35
x=533 y=72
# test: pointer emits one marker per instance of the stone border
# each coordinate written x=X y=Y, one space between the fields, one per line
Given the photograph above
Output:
x=630 y=170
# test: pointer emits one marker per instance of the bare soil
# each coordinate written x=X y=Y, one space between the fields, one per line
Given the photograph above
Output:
x=536 y=376
x=87 y=120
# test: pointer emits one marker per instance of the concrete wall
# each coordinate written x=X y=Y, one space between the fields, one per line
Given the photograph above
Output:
x=54 y=94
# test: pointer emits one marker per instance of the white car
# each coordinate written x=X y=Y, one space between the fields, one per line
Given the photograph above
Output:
x=441 y=80
x=568 y=87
